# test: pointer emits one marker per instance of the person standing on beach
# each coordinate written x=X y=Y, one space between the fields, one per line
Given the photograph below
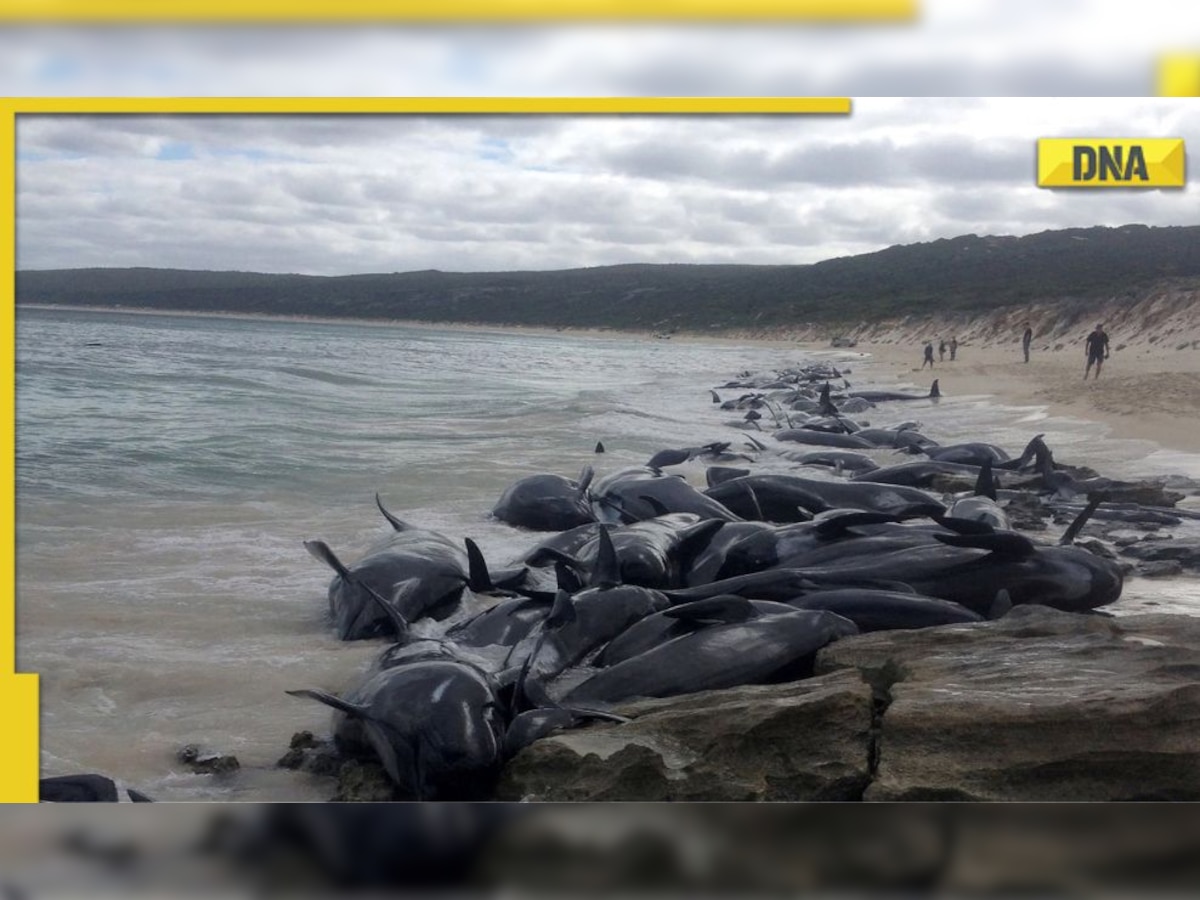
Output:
x=1026 y=340
x=953 y=348
x=928 y=355
x=942 y=350
x=1096 y=349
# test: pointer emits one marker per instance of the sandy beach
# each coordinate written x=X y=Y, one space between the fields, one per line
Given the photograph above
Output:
x=1142 y=393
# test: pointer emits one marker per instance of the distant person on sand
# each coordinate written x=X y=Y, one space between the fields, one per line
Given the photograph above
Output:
x=928 y=354
x=1096 y=349
x=953 y=348
x=1026 y=340
x=942 y=350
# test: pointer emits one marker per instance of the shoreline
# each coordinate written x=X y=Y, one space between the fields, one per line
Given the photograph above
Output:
x=1144 y=393
x=1138 y=396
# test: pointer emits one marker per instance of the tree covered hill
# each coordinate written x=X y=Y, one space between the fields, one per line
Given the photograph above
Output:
x=968 y=274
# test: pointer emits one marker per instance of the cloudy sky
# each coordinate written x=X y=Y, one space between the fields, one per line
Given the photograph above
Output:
x=335 y=195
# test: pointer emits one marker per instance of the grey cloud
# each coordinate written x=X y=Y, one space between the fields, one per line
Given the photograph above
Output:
x=875 y=161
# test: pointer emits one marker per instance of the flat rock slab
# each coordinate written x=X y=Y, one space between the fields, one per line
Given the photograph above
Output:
x=809 y=740
x=1185 y=552
x=1040 y=705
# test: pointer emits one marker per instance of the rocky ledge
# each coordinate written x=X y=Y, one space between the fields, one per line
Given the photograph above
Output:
x=1039 y=705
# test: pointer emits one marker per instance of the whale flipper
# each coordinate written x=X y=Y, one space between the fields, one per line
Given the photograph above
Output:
x=1072 y=532
x=723 y=610
x=398 y=524
x=1006 y=543
x=320 y=550
x=350 y=709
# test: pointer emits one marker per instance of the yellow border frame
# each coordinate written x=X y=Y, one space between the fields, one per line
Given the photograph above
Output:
x=1179 y=75
x=474 y=11
x=19 y=748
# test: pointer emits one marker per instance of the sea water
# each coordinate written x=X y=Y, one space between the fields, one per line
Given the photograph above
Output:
x=170 y=467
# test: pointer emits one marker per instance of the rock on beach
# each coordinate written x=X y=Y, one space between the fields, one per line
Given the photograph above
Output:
x=1041 y=705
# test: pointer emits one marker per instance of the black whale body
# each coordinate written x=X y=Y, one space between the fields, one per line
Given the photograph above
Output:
x=546 y=503
x=630 y=495
x=761 y=650
x=436 y=726
x=816 y=495
x=436 y=567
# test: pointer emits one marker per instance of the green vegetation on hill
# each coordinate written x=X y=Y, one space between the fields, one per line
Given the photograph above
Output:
x=967 y=274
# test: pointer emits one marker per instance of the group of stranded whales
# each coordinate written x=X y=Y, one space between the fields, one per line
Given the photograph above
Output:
x=643 y=585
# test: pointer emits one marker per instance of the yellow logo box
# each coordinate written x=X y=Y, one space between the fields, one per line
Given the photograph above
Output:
x=1110 y=162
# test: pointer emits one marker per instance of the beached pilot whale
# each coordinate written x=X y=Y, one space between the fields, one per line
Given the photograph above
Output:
x=982 y=506
x=970 y=569
x=654 y=553
x=547 y=502
x=777 y=492
x=883 y=396
x=734 y=644
x=891 y=610
x=919 y=474
x=437 y=566
x=823 y=438
x=630 y=495
x=659 y=627
x=842 y=460
x=576 y=628
x=436 y=725
x=89 y=788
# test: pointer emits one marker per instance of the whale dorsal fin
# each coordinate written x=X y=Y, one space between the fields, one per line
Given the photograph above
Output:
x=607 y=570
x=562 y=612
x=479 y=580
x=985 y=484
